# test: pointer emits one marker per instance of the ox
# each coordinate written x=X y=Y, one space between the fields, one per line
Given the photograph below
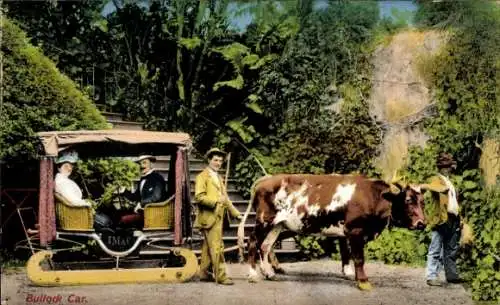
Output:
x=353 y=208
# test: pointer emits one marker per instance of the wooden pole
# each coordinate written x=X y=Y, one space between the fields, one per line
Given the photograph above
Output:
x=227 y=171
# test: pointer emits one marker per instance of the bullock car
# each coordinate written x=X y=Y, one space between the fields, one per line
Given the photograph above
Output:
x=67 y=249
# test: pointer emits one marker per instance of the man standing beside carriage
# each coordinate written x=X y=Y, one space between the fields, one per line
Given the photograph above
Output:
x=213 y=203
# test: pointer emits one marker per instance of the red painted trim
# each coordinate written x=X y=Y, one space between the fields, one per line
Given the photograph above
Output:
x=179 y=177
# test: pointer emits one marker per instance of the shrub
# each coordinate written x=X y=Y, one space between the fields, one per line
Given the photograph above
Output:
x=36 y=97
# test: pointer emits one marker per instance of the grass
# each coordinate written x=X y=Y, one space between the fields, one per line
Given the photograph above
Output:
x=9 y=263
x=395 y=110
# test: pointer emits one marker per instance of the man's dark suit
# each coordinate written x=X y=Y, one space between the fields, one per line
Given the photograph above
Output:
x=153 y=190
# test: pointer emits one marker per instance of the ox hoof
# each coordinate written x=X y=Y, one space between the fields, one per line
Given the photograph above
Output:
x=267 y=271
x=365 y=286
x=252 y=279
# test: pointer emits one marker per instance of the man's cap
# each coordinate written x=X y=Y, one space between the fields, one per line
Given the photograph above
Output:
x=142 y=157
x=445 y=160
x=68 y=156
x=214 y=151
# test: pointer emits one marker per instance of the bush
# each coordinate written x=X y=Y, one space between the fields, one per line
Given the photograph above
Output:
x=399 y=246
x=36 y=97
x=102 y=178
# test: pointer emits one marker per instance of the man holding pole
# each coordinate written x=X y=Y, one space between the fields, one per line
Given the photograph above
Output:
x=213 y=203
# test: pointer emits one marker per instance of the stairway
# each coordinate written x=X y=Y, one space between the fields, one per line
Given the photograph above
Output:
x=285 y=249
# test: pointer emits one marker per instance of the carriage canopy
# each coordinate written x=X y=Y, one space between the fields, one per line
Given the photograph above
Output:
x=113 y=142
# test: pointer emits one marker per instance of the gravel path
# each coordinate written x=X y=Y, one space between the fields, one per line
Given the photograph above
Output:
x=316 y=282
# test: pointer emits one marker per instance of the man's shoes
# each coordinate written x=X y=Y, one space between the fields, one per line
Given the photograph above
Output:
x=205 y=277
x=434 y=282
x=226 y=281
x=456 y=281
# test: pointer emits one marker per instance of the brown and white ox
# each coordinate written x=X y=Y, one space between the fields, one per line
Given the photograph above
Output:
x=351 y=207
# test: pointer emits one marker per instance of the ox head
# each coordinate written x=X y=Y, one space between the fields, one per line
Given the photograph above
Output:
x=407 y=209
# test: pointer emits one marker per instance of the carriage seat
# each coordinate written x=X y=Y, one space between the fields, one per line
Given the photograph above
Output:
x=159 y=215
x=73 y=218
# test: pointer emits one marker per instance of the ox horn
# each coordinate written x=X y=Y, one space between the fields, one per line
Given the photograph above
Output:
x=398 y=181
x=395 y=188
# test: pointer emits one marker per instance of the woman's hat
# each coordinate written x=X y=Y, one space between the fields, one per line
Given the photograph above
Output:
x=67 y=157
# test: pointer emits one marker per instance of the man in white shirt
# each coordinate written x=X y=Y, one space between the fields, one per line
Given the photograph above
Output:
x=152 y=188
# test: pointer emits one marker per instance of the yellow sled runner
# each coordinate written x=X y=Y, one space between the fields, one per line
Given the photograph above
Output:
x=41 y=277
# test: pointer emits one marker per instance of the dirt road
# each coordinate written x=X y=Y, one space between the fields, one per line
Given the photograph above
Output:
x=317 y=282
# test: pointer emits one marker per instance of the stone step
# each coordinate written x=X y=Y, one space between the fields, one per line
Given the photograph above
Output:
x=125 y=125
x=234 y=195
x=250 y=218
x=113 y=116
x=231 y=183
x=194 y=163
x=233 y=229
x=241 y=205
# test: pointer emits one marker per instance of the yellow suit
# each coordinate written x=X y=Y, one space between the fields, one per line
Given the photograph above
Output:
x=209 y=219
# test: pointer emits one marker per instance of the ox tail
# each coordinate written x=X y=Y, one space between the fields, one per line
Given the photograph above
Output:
x=241 y=227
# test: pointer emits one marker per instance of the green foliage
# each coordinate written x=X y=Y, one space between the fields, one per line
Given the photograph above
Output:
x=37 y=97
x=191 y=43
x=236 y=83
x=246 y=133
x=311 y=245
x=480 y=263
x=399 y=246
x=102 y=178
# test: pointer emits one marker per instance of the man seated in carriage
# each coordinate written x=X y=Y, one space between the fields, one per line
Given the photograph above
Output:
x=151 y=189
x=71 y=192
